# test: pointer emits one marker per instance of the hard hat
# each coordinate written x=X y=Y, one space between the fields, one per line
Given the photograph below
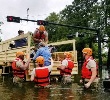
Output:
x=68 y=54
x=40 y=60
x=41 y=28
x=88 y=51
x=19 y=53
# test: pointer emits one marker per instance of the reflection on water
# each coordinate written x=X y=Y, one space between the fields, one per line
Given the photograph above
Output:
x=8 y=91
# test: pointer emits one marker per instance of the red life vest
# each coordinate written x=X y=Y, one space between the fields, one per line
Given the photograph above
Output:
x=17 y=71
x=87 y=73
x=40 y=35
x=42 y=76
x=68 y=69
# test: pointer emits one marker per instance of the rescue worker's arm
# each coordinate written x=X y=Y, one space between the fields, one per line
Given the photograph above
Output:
x=50 y=66
x=33 y=74
x=63 y=65
x=94 y=73
x=20 y=64
x=46 y=38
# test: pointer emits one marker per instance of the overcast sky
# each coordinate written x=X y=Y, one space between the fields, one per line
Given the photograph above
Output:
x=38 y=10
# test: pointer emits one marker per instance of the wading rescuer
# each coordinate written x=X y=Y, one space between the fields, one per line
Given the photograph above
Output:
x=40 y=35
x=19 y=67
x=66 y=68
x=41 y=74
x=89 y=69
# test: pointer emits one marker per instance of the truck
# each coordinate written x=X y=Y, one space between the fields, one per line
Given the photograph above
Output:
x=7 y=55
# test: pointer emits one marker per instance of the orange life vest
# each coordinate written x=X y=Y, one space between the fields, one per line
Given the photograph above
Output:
x=68 y=69
x=86 y=73
x=40 y=35
x=42 y=76
x=17 y=71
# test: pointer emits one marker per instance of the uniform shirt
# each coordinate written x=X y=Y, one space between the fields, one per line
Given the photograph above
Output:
x=91 y=64
x=64 y=63
x=20 y=64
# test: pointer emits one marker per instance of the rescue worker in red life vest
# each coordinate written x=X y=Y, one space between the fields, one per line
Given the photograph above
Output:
x=89 y=69
x=19 y=67
x=66 y=68
x=40 y=35
x=41 y=74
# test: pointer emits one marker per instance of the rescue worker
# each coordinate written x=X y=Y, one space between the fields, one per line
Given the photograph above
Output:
x=19 y=67
x=66 y=68
x=40 y=35
x=89 y=69
x=41 y=74
x=45 y=52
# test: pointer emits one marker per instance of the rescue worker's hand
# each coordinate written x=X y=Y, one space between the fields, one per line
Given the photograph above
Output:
x=33 y=60
x=87 y=85
x=81 y=81
x=29 y=60
x=40 y=40
x=58 y=68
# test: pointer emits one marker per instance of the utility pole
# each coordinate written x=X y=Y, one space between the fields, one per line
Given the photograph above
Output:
x=27 y=13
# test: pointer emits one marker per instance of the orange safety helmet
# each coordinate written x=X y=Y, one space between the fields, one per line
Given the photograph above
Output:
x=68 y=54
x=19 y=53
x=40 y=60
x=88 y=51
x=41 y=28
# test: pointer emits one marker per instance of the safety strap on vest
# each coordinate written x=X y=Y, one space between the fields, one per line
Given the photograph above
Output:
x=37 y=78
x=65 y=71
x=40 y=36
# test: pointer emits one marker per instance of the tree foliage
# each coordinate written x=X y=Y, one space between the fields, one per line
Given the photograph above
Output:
x=85 y=13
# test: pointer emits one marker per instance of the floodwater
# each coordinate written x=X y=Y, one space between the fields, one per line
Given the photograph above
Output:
x=57 y=91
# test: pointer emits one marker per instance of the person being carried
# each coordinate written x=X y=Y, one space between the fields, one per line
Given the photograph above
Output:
x=20 y=42
x=45 y=52
x=89 y=69
x=41 y=74
x=66 y=68
x=19 y=67
x=40 y=35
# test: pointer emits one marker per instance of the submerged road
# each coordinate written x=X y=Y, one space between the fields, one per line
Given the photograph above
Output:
x=57 y=91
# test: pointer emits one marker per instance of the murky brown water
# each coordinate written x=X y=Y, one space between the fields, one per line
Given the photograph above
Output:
x=8 y=91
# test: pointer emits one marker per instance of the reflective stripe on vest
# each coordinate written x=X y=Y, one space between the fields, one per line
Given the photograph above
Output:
x=68 y=69
x=17 y=71
x=86 y=73
x=42 y=77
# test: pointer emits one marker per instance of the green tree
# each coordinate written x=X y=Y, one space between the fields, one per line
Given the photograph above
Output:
x=85 y=13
